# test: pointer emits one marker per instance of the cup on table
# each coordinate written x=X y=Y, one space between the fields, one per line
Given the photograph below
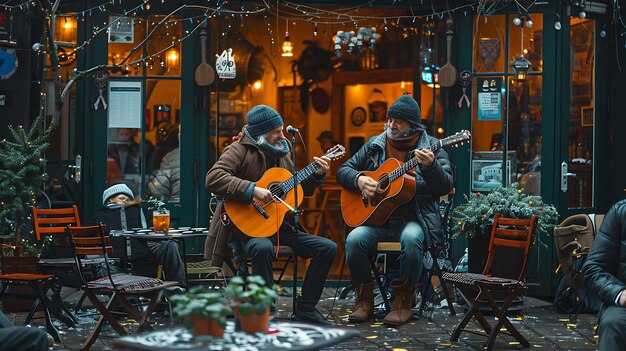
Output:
x=161 y=221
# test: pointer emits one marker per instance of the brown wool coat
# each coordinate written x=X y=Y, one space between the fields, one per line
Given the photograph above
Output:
x=241 y=164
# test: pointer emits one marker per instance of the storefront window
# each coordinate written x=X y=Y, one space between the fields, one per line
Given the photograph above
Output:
x=581 y=114
x=506 y=111
x=144 y=116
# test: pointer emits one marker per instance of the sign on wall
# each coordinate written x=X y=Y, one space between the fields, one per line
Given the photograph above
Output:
x=490 y=99
x=124 y=104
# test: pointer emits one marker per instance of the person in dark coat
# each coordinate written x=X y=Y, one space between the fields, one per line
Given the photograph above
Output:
x=122 y=212
x=605 y=276
x=263 y=146
x=403 y=139
x=14 y=338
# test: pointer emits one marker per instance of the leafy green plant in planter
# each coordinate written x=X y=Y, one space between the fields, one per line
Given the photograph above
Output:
x=476 y=215
x=251 y=300
x=204 y=312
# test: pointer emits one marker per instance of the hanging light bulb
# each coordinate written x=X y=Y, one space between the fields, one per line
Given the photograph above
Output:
x=287 y=47
x=517 y=21
x=582 y=14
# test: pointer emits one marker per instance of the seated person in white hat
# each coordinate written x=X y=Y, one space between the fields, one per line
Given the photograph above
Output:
x=122 y=212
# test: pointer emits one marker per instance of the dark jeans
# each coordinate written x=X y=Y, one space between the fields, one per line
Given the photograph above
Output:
x=168 y=255
x=21 y=338
x=612 y=328
x=322 y=251
x=362 y=242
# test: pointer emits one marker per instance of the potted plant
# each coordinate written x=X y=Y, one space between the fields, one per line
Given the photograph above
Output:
x=474 y=218
x=251 y=302
x=205 y=313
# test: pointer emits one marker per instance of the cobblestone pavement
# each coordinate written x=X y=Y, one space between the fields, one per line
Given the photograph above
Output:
x=541 y=325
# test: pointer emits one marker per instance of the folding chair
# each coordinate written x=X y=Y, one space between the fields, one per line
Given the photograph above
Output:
x=40 y=284
x=478 y=289
x=52 y=222
x=120 y=286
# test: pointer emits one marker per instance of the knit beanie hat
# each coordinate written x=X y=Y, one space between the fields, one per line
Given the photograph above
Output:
x=115 y=190
x=262 y=119
x=405 y=108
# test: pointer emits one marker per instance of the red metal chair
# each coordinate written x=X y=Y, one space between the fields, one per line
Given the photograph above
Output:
x=478 y=289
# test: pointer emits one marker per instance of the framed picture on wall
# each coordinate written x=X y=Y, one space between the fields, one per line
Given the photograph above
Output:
x=487 y=174
x=586 y=116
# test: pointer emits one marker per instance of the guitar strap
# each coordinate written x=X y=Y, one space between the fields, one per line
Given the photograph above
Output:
x=371 y=154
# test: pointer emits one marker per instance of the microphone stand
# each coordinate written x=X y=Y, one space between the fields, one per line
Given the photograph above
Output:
x=296 y=216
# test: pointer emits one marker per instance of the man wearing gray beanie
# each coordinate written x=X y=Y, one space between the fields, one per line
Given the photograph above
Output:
x=122 y=211
x=261 y=147
x=404 y=137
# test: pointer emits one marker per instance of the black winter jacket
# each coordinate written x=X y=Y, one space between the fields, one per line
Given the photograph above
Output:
x=111 y=217
x=431 y=182
x=605 y=267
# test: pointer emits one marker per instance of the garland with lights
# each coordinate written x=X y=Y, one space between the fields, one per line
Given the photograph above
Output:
x=21 y=174
x=475 y=217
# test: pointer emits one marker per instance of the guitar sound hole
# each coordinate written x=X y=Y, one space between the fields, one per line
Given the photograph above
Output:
x=276 y=190
x=383 y=183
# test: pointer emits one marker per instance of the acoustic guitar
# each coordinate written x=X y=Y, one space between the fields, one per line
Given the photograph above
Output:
x=395 y=188
x=262 y=220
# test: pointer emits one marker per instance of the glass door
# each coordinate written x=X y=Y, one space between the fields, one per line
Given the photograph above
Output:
x=508 y=119
x=577 y=169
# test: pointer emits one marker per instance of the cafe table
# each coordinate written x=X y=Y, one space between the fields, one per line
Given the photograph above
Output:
x=179 y=235
x=281 y=336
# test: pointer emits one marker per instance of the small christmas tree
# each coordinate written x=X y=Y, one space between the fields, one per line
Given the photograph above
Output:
x=21 y=174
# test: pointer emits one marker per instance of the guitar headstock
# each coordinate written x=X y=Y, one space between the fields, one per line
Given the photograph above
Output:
x=335 y=152
x=457 y=138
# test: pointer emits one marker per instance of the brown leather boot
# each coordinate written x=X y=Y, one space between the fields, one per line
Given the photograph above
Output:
x=404 y=295
x=364 y=306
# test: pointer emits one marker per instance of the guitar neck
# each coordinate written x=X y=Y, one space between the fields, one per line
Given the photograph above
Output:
x=303 y=175
x=412 y=163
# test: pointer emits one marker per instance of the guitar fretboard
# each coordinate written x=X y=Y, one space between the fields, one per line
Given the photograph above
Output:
x=303 y=175
x=412 y=163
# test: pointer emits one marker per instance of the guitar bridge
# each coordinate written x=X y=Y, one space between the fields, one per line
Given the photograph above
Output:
x=260 y=209
x=365 y=201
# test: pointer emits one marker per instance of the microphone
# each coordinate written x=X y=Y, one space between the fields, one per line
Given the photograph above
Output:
x=292 y=130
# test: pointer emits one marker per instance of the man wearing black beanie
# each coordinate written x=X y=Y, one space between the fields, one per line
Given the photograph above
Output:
x=404 y=137
x=261 y=147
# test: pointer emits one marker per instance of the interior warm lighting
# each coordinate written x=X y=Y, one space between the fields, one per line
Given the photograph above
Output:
x=520 y=68
x=257 y=86
x=172 y=58
x=287 y=47
x=402 y=85
x=67 y=24
x=440 y=130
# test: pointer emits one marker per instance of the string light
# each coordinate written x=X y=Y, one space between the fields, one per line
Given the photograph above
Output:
x=287 y=47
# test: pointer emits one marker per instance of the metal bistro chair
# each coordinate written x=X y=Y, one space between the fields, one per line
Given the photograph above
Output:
x=120 y=287
x=478 y=289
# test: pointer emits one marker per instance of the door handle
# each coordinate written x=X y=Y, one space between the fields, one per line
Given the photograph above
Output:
x=564 y=175
x=77 y=168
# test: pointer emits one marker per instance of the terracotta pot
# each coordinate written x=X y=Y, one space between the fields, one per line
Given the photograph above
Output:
x=253 y=323
x=207 y=326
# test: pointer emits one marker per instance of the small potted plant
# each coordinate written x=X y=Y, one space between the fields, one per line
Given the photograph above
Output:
x=251 y=302
x=205 y=313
